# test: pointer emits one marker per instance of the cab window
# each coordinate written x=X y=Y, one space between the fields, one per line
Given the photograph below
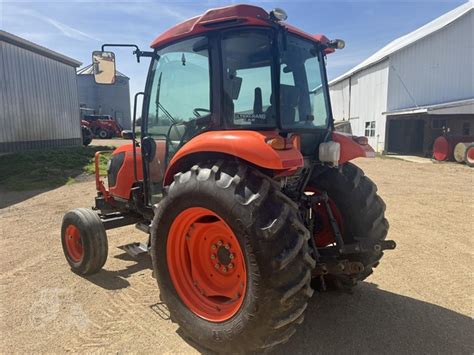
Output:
x=180 y=89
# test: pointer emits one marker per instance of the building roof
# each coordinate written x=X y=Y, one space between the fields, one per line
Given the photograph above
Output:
x=87 y=70
x=36 y=48
x=409 y=39
x=465 y=107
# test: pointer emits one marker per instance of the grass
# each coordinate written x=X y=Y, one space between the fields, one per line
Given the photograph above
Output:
x=49 y=168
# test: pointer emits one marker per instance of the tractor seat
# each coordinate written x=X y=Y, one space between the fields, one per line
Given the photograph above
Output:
x=289 y=99
x=157 y=164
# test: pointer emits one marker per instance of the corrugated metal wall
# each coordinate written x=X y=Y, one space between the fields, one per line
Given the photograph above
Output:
x=339 y=93
x=39 y=104
x=368 y=100
x=362 y=98
x=436 y=69
x=113 y=100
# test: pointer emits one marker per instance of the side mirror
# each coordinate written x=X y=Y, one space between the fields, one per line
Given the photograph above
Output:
x=103 y=65
x=127 y=134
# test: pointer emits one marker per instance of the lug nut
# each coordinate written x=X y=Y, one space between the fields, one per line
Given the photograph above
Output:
x=227 y=246
x=219 y=243
x=217 y=266
x=224 y=269
x=230 y=266
x=213 y=256
x=231 y=256
x=213 y=247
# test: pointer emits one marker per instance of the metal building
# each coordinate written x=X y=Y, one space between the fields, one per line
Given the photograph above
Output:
x=113 y=100
x=413 y=89
x=39 y=105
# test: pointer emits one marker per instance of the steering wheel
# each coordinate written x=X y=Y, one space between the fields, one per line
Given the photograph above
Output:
x=197 y=110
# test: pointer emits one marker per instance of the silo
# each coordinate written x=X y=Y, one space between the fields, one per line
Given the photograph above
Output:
x=113 y=100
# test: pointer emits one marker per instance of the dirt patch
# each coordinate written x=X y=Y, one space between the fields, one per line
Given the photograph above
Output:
x=114 y=142
x=418 y=300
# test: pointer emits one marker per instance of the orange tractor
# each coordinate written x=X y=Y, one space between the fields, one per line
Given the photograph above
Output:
x=245 y=190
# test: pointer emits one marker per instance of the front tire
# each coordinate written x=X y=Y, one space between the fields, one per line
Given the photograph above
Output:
x=103 y=134
x=359 y=211
x=268 y=239
x=84 y=241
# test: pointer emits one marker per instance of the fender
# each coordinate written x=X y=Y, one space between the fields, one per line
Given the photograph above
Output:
x=250 y=146
x=350 y=148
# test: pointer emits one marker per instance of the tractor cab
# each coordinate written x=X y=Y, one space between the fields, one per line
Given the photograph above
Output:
x=231 y=69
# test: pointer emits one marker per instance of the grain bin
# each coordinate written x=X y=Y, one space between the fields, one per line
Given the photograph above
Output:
x=113 y=100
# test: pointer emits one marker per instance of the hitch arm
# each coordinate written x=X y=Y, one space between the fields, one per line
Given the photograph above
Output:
x=323 y=197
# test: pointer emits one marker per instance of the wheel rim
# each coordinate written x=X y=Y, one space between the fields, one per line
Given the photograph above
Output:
x=324 y=233
x=73 y=241
x=206 y=264
x=470 y=155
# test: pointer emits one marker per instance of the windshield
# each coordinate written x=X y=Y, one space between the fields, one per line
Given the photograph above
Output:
x=302 y=93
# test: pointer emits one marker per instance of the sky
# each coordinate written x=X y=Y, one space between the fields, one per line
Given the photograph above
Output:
x=76 y=27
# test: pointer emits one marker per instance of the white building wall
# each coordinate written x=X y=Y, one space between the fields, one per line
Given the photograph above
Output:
x=362 y=98
x=340 y=100
x=439 y=68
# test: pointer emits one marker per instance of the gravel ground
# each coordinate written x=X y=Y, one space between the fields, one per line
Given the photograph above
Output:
x=419 y=300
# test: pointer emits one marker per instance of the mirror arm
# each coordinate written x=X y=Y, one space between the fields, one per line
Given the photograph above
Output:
x=135 y=173
x=136 y=52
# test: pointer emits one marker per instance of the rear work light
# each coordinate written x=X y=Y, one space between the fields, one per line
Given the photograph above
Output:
x=278 y=14
x=336 y=44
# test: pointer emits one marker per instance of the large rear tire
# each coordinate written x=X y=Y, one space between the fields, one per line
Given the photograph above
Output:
x=84 y=241
x=354 y=198
x=269 y=242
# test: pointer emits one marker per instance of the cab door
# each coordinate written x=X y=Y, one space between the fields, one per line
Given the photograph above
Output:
x=179 y=93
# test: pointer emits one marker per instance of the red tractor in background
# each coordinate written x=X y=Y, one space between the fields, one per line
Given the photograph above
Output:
x=102 y=126
x=245 y=190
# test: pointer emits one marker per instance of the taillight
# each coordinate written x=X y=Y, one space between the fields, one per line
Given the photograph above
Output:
x=361 y=140
x=282 y=143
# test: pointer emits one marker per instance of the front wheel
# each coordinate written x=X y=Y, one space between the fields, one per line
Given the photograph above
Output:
x=359 y=212
x=103 y=134
x=84 y=241
x=231 y=257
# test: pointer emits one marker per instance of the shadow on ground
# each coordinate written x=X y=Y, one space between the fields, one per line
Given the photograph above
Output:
x=27 y=174
x=373 y=321
x=369 y=320
x=9 y=198
x=115 y=280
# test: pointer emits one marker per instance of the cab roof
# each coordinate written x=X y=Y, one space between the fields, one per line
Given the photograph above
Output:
x=226 y=17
